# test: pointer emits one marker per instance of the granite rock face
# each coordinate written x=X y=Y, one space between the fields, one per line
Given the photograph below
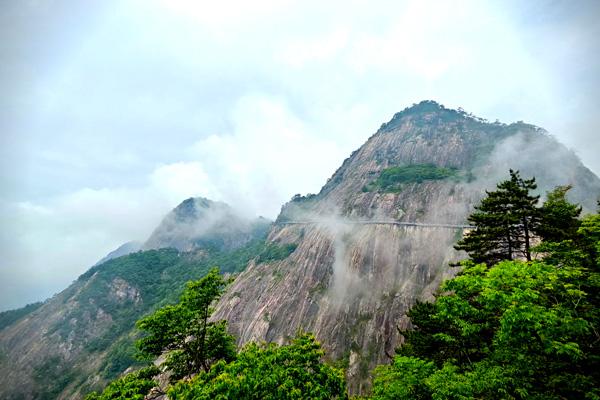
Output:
x=353 y=276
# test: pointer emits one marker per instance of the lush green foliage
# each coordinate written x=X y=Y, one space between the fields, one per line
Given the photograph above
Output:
x=133 y=386
x=559 y=218
x=268 y=372
x=516 y=330
x=392 y=179
x=504 y=221
x=184 y=331
x=11 y=316
x=512 y=330
x=275 y=252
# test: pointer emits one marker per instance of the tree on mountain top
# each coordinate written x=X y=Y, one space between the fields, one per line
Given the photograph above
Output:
x=504 y=222
x=184 y=332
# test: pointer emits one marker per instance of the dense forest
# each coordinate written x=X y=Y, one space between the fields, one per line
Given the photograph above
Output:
x=518 y=321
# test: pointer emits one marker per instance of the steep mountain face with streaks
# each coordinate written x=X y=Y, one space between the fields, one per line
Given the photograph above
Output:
x=352 y=274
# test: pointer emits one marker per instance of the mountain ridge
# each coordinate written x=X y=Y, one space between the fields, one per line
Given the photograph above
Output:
x=350 y=284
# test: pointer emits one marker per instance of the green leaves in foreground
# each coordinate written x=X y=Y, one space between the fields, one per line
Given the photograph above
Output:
x=268 y=372
x=514 y=331
x=133 y=386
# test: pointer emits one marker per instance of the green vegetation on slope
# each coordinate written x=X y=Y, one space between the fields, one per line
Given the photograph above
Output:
x=117 y=293
x=392 y=179
x=184 y=333
x=133 y=386
x=11 y=316
x=202 y=349
x=275 y=252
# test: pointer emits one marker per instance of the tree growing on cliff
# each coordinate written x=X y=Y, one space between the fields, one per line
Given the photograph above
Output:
x=184 y=332
x=504 y=222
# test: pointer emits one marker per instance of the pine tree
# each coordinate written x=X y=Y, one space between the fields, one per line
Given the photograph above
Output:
x=559 y=218
x=504 y=222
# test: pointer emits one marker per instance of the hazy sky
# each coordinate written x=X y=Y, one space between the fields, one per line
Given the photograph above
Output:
x=112 y=112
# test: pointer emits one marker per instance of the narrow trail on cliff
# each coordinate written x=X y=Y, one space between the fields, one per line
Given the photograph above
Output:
x=397 y=223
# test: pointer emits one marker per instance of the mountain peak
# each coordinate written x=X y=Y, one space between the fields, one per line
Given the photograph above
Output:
x=198 y=222
x=194 y=206
x=428 y=111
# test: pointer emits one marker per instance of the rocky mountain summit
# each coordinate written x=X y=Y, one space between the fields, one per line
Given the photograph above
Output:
x=345 y=263
x=200 y=223
x=354 y=272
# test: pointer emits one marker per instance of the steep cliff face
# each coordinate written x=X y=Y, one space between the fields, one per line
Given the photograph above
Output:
x=83 y=337
x=353 y=275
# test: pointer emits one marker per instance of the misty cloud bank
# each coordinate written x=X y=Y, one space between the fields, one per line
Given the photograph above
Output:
x=542 y=157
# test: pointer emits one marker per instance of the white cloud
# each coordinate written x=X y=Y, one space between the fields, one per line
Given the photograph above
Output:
x=48 y=243
x=269 y=155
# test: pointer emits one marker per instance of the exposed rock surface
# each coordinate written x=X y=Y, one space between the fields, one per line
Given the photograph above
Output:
x=352 y=283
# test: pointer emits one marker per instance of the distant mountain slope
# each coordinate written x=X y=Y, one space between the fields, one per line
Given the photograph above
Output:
x=9 y=317
x=81 y=338
x=351 y=282
x=122 y=250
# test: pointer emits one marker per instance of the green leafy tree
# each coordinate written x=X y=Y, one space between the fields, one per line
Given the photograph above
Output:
x=184 y=332
x=559 y=218
x=504 y=222
x=515 y=330
x=590 y=239
x=133 y=386
x=268 y=372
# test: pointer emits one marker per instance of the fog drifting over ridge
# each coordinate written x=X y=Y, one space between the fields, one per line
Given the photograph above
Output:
x=117 y=111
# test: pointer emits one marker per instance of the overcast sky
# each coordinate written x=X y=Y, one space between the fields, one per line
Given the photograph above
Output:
x=112 y=112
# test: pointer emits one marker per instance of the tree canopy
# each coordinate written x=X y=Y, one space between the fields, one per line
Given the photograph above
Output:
x=133 y=386
x=184 y=332
x=268 y=372
x=504 y=222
